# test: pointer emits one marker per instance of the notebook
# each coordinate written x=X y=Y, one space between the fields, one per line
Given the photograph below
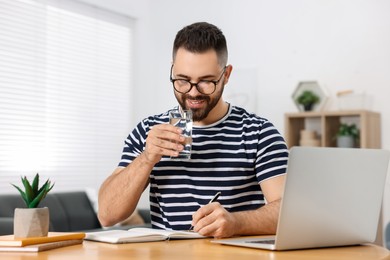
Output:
x=332 y=197
x=139 y=234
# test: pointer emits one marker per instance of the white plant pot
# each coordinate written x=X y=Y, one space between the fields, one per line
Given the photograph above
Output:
x=345 y=141
x=31 y=222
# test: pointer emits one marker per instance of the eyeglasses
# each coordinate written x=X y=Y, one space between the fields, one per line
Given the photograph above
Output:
x=206 y=87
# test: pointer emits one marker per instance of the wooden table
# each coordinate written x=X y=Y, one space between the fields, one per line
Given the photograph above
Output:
x=195 y=249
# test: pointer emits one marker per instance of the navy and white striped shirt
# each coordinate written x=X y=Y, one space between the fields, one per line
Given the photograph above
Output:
x=232 y=155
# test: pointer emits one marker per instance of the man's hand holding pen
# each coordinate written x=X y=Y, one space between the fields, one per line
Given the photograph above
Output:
x=214 y=220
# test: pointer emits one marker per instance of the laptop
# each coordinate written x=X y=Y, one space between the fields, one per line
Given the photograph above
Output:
x=332 y=197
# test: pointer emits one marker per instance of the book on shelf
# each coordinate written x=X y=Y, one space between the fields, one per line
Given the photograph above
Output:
x=139 y=235
x=10 y=240
x=41 y=247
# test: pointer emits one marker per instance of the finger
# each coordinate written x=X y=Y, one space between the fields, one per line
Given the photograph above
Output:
x=216 y=224
x=208 y=230
x=209 y=225
x=204 y=211
x=203 y=222
x=162 y=147
x=165 y=144
x=168 y=128
x=165 y=136
x=166 y=132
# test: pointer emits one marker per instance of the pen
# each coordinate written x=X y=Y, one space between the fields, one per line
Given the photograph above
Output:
x=214 y=199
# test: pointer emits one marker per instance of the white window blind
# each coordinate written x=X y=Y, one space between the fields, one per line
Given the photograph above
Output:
x=65 y=92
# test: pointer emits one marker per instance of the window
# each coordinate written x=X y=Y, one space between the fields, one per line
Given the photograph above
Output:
x=65 y=92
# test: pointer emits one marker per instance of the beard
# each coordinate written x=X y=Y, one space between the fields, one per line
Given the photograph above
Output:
x=199 y=114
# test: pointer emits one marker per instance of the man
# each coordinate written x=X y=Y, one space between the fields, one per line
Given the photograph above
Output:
x=234 y=152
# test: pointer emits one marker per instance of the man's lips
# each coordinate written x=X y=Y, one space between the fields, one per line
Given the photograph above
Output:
x=195 y=103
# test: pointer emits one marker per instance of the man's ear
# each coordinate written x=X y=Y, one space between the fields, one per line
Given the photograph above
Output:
x=228 y=71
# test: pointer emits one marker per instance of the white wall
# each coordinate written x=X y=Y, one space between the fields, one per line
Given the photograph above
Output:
x=342 y=44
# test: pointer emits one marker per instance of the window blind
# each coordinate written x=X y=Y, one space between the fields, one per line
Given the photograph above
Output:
x=65 y=92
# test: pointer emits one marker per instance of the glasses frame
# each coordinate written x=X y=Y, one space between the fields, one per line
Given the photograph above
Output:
x=215 y=82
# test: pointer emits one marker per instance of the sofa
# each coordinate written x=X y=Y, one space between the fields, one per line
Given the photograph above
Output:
x=69 y=212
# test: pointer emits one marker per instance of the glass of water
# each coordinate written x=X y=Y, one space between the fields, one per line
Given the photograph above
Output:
x=183 y=119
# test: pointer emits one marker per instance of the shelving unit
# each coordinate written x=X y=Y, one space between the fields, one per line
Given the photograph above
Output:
x=327 y=123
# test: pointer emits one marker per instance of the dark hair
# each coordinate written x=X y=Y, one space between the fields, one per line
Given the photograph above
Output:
x=201 y=37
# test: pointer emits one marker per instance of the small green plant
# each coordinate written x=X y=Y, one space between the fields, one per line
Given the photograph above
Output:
x=31 y=195
x=348 y=130
x=307 y=99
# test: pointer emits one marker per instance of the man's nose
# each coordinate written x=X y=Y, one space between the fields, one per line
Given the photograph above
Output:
x=194 y=91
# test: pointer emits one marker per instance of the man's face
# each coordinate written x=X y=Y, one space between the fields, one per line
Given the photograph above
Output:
x=195 y=67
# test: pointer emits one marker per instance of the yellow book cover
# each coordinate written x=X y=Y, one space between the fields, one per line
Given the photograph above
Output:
x=41 y=247
x=9 y=240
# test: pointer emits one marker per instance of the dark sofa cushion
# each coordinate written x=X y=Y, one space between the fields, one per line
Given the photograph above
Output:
x=79 y=211
x=58 y=216
x=8 y=203
x=6 y=226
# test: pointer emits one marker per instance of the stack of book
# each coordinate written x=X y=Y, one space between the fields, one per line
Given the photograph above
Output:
x=9 y=243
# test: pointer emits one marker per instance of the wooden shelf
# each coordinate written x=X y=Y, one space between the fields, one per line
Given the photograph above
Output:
x=327 y=123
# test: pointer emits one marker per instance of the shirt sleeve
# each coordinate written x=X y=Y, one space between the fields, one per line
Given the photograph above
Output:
x=272 y=153
x=134 y=144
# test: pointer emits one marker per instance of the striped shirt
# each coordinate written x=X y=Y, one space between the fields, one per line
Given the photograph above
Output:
x=232 y=155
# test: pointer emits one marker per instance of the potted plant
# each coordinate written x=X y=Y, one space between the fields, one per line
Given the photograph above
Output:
x=347 y=135
x=32 y=221
x=307 y=99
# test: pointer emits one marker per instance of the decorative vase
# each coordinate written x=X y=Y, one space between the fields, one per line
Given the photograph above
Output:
x=31 y=222
x=345 y=141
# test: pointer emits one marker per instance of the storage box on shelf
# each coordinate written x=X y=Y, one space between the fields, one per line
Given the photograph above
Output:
x=369 y=124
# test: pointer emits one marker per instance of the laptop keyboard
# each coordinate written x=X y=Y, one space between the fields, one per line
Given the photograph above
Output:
x=271 y=241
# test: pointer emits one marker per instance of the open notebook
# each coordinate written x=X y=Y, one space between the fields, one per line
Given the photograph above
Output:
x=332 y=197
x=139 y=235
